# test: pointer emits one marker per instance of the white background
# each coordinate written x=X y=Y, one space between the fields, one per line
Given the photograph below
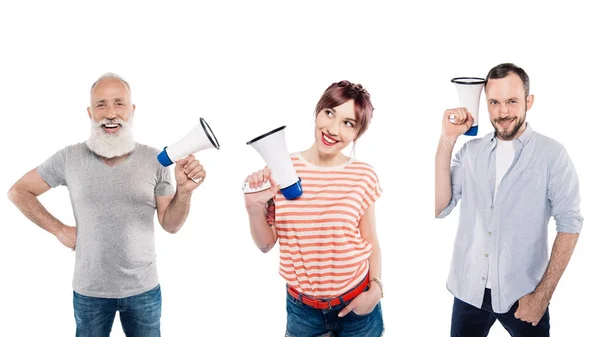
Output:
x=247 y=67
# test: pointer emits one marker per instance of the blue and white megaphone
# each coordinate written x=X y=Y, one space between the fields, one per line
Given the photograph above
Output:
x=469 y=92
x=271 y=146
x=200 y=138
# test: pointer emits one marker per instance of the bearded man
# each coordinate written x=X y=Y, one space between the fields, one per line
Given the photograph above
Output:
x=115 y=186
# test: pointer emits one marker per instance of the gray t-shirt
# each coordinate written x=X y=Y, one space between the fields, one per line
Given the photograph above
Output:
x=114 y=211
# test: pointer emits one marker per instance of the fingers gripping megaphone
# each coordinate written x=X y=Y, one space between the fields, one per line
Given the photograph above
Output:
x=272 y=148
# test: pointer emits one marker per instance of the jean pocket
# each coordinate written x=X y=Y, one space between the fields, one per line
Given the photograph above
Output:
x=293 y=301
x=375 y=309
x=355 y=315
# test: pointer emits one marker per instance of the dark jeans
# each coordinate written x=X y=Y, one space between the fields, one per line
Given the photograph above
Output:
x=140 y=314
x=469 y=321
x=306 y=321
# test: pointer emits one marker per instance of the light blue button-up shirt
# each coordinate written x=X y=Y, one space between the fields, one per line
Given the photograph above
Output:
x=508 y=235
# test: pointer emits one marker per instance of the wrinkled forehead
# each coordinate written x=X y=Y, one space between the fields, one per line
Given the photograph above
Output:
x=110 y=90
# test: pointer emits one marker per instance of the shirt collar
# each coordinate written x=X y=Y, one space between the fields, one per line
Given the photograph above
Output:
x=523 y=138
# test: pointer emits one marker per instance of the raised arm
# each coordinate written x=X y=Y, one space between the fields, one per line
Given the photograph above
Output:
x=450 y=133
x=172 y=211
x=260 y=207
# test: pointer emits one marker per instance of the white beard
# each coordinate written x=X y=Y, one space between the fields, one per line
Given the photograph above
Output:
x=109 y=145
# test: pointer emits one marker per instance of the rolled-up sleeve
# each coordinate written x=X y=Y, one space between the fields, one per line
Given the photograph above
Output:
x=563 y=194
x=457 y=177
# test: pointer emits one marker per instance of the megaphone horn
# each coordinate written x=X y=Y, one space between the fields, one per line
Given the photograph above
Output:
x=272 y=148
x=200 y=138
x=469 y=92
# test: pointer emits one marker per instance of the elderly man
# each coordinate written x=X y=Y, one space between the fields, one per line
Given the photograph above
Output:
x=510 y=182
x=115 y=185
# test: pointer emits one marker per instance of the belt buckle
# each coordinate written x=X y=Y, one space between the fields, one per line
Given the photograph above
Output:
x=329 y=303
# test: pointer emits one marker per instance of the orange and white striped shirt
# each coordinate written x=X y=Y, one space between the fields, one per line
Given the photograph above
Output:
x=322 y=253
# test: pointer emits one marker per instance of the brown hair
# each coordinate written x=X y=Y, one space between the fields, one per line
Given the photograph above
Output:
x=504 y=69
x=339 y=93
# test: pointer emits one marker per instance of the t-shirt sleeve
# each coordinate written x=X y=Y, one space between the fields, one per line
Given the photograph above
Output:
x=164 y=185
x=52 y=170
x=372 y=189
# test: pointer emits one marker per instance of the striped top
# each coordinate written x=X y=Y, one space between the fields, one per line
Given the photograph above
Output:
x=322 y=253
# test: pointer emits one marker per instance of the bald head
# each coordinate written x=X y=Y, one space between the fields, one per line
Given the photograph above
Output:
x=110 y=76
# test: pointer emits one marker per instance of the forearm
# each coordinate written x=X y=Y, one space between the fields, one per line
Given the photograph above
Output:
x=375 y=261
x=375 y=270
x=563 y=247
x=177 y=212
x=31 y=207
x=443 y=187
x=262 y=233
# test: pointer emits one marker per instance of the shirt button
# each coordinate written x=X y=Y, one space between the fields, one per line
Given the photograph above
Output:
x=489 y=233
x=483 y=278
x=486 y=255
x=492 y=206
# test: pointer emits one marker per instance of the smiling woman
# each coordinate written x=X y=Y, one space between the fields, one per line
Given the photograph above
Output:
x=329 y=251
x=343 y=115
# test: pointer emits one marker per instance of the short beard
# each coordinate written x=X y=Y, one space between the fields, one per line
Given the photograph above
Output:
x=109 y=145
x=510 y=133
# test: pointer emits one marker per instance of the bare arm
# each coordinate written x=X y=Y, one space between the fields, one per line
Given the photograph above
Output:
x=366 y=301
x=24 y=195
x=263 y=233
x=369 y=233
x=173 y=210
x=533 y=306
x=563 y=247
x=260 y=206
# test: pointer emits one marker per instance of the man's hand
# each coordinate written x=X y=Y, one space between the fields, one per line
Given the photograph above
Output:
x=531 y=308
x=456 y=122
x=364 y=303
x=189 y=174
x=67 y=236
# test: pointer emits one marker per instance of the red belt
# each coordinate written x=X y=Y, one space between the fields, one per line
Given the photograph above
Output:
x=327 y=304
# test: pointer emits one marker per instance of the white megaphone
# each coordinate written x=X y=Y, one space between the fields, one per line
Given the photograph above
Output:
x=469 y=92
x=271 y=146
x=200 y=138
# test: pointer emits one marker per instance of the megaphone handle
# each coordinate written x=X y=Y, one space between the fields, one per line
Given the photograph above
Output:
x=246 y=188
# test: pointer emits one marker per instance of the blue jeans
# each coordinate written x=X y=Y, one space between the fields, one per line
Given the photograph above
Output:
x=469 y=321
x=140 y=314
x=306 y=321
